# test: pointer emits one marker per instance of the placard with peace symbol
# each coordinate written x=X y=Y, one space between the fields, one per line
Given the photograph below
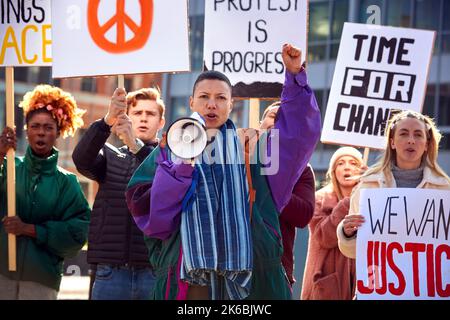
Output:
x=108 y=37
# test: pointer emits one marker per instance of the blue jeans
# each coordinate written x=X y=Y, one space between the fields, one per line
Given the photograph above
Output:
x=122 y=283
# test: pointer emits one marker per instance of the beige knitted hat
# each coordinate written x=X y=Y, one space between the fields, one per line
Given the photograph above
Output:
x=345 y=151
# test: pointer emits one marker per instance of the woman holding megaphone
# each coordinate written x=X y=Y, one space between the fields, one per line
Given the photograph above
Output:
x=212 y=229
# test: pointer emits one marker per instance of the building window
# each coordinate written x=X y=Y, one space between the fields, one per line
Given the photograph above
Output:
x=317 y=52
x=20 y=74
x=128 y=83
x=446 y=10
x=44 y=75
x=427 y=14
x=88 y=84
x=326 y=22
x=319 y=31
x=179 y=107
x=364 y=4
x=20 y=123
x=444 y=105
x=320 y=96
x=445 y=141
x=3 y=107
x=446 y=29
x=340 y=15
x=55 y=82
x=237 y=114
x=399 y=13
x=428 y=105
x=319 y=23
x=446 y=43
x=196 y=24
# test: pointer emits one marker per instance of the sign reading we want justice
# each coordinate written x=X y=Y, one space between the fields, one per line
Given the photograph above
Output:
x=379 y=69
x=403 y=247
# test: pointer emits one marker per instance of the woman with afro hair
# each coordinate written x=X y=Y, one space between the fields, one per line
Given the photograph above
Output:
x=52 y=216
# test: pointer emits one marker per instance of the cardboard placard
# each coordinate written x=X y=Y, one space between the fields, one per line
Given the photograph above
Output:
x=378 y=69
x=403 y=247
x=243 y=39
x=93 y=37
x=25 y=33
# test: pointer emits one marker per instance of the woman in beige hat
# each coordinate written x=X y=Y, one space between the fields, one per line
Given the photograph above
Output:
x=329 y=274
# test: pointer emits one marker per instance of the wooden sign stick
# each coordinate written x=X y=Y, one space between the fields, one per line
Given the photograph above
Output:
x=11 y=168
x=253 y=119
x=120 y=81
x=366 y=155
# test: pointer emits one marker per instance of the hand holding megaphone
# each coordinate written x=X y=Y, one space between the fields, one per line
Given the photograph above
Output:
x=186 y=137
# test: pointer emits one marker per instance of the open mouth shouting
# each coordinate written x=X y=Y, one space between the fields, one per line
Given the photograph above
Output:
x=40 y=144
x=211 y=116
x=142 y=129
x=410 y=151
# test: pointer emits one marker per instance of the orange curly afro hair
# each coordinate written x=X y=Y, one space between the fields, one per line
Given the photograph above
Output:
x=60 y=104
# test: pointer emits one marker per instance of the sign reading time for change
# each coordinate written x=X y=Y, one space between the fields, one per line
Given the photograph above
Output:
x=378 y=69
x=403 y=247
x=25 y=33
x=243 y=39
x=103 y=37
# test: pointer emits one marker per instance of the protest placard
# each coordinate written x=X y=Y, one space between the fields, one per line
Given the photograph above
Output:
x=243 y=39
x=403 y=247
x=95 y=37
x=378 y=69
x=25 y=33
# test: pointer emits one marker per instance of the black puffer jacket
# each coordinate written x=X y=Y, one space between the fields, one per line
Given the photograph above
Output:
x=114 y=238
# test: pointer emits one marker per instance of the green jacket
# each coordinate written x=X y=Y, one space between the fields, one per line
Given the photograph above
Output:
x=269 y=280
x=50 y=198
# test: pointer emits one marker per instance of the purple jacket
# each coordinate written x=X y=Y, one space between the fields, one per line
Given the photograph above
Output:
x=156 y=204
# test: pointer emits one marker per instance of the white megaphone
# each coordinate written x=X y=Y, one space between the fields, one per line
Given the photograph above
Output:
x=186 y=137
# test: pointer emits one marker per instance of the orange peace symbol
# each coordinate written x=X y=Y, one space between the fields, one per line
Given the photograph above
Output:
x=121 y=19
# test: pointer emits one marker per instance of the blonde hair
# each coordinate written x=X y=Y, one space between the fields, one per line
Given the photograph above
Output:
x=433 y=139
x=331 y=179
x=59 y=104
x=274 y=105
x=153 y=94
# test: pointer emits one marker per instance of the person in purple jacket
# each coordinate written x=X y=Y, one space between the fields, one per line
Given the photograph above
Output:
x=212 y=228
x=300 y=209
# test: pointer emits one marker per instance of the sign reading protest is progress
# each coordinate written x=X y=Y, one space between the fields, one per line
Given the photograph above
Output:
x=378 y=69
x=103 y=37
x=25 y=33
x=403 y=247
x=243 y=39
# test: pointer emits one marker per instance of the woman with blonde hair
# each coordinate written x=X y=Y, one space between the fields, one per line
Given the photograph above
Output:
x=52 y=216
x=329 y=275
x=409 y=161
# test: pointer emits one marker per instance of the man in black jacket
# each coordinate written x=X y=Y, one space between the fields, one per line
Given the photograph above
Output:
x=116 y=248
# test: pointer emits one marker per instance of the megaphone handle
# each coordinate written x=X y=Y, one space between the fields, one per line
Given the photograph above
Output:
x=193 y=162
